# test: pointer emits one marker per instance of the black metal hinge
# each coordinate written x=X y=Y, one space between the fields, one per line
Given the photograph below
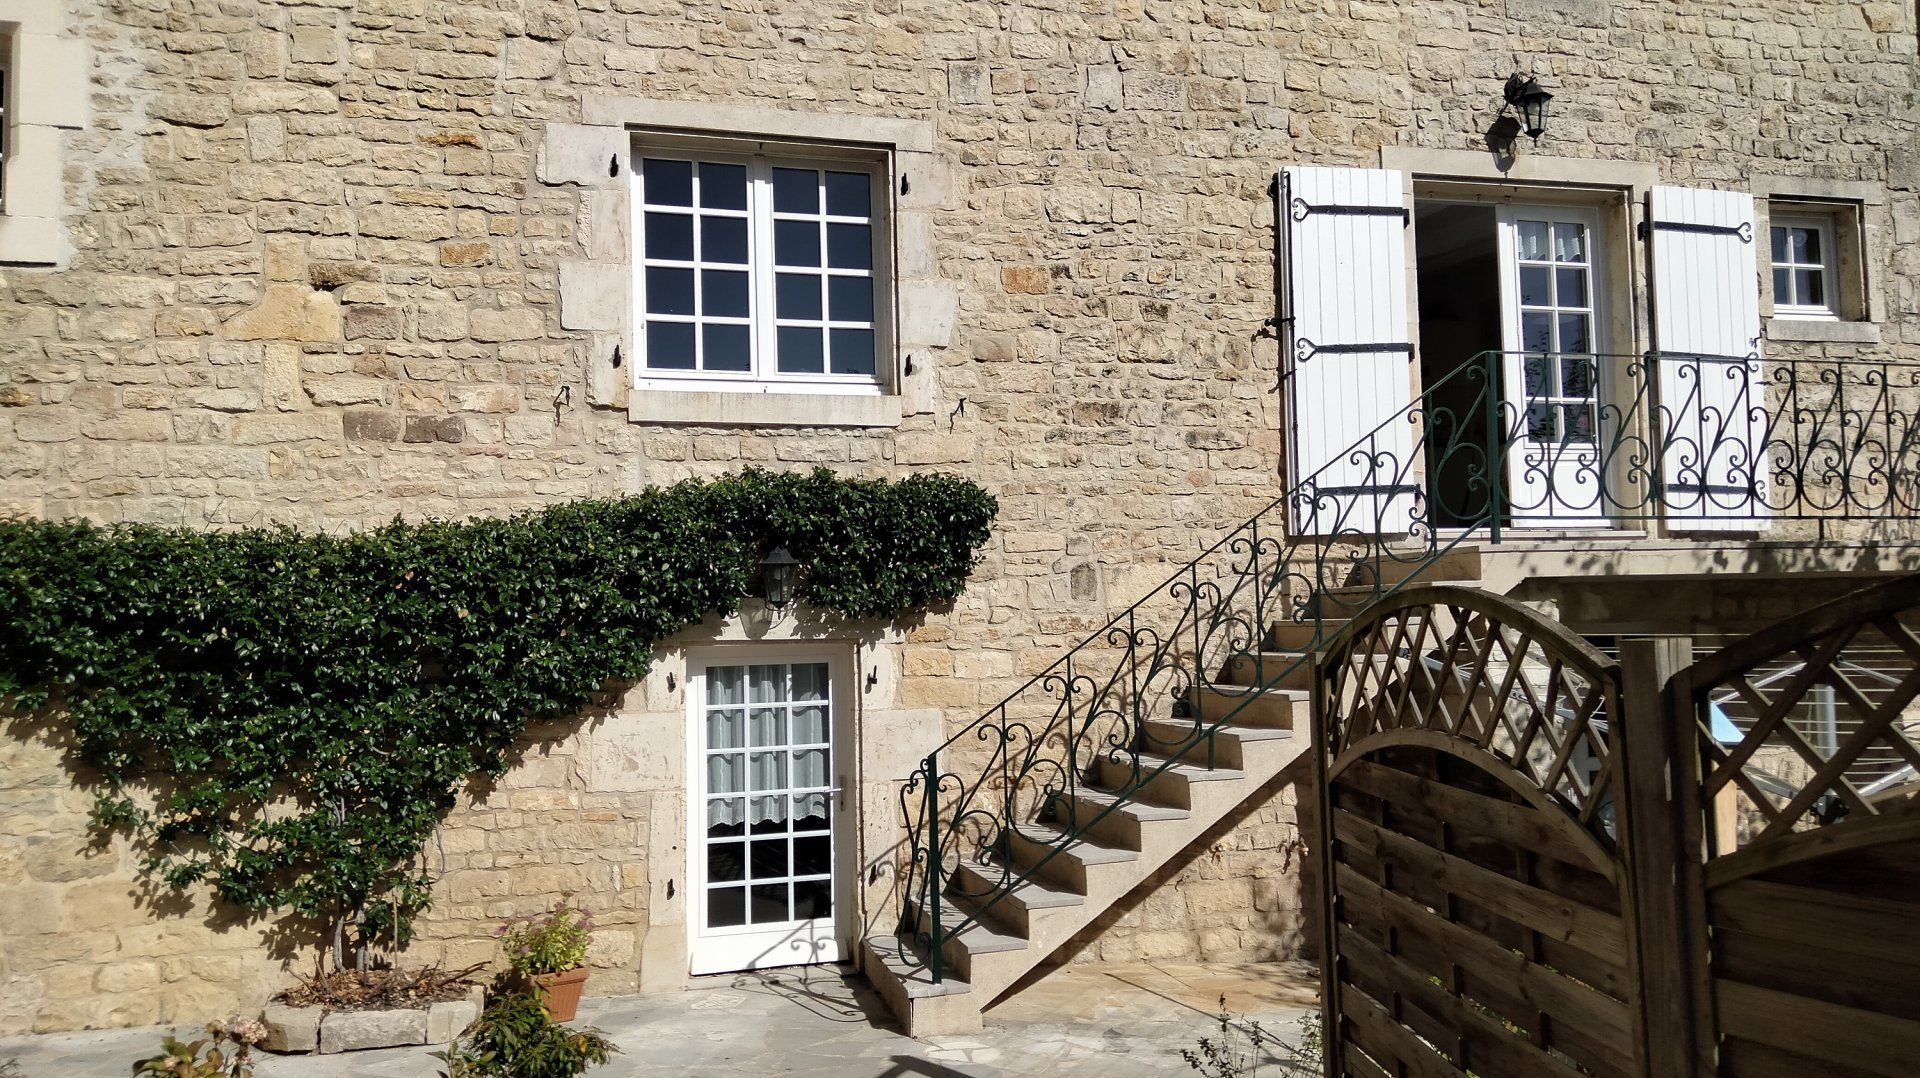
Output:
x=1744 y=229
x=1301 y=209
x=1304 y=349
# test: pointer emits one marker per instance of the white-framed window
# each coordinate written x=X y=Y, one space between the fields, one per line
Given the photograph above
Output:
x=760 y=272
x=1804 y=261
x=6 y=112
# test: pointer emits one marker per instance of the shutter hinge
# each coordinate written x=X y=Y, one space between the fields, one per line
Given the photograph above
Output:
x=1304 y=349
x=1300 y=209
x=1744 y=229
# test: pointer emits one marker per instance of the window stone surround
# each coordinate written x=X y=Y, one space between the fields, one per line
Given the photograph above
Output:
x=596 y=291
x=54 y=61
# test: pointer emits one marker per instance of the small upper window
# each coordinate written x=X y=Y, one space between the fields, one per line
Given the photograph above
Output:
x=1805 y=278
x=759 y=273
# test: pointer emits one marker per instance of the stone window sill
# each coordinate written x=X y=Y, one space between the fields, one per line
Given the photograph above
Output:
x=698 y=408
x=1818 y=330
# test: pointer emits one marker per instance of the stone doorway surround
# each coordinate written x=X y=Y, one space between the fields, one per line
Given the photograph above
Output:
x=596 y=291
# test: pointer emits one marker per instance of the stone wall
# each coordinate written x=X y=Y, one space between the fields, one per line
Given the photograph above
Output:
x=316 y=280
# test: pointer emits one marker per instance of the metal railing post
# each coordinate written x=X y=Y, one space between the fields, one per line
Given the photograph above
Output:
x=933 y=882
x=1496 y=433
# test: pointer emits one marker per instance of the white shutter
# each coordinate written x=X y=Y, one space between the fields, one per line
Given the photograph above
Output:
x=1706 y=336
x=1348 y=352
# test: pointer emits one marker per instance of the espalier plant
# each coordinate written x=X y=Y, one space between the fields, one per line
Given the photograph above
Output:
x=302 y=709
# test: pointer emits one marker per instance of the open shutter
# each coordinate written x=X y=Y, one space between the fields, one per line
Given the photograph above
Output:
x=1706 y=335
x=1348 y=353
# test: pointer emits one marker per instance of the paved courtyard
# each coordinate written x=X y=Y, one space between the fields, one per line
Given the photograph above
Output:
x=1112 y=1021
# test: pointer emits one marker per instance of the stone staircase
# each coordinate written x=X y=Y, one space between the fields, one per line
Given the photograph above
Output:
x=1107 y=837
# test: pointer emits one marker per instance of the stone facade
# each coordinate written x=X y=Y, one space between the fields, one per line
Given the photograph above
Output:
x=320 y=253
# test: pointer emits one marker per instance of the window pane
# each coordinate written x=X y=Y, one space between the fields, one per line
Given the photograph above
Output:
x=1579 y=422
x=809 y=768
x=728 y=348
x=1779 y=243
x=1573 y=333
x=852 y=351
x=769 y=858
x=1804 y=245
x=1535 y=282
x=1783 y=286
x=726 y=684
x=1572 y=284
x=726 y=863
x=769 y=903
x=1536 y=332
x=726 y=817
x=1811 y=287
x=796 y=190
x=800 y=350
x=726 y=907
x=670 y=345
x=669 y=235
x=812 y=899
x=812 y=856
x=810 y=681
x=723 y=187
x=1569 y=242
x=796 y=243
x=769 y=727
x=1540 y=423
x=726 y=729
x=766 y=683
x=1535 y=370
x=769 y=771
x=726 y=773
x=812 y=812
x=667 y=183
x=849 y=194
x=810 y=724
x=850 y=299
x=797 y=295
x=769 y=815
x=669 y=290
x=1532 y=237
x=850 y=246
x=723 y=239
x=723 y=293
x=1576 y=378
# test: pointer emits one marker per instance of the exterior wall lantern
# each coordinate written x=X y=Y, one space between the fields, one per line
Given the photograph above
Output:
x=779 y=573
x=1523 y=94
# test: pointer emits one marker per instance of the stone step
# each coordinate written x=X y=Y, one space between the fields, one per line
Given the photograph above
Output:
x=1459 y=563
x=1111 y=817
x=967 y=932
x=1229 y=741
x=1273 y=669
x=1013 y=906
x=1076 y=858
x=1277 y=707
x=1161 y=782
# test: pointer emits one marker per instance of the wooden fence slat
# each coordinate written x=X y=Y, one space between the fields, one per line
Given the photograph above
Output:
x=1597 y=932
x=1805 y=967
x=1519 y=824
x=1601 y=1025
x=1741 y=1058
x=1868 y=927
x=1875 y=1043
x=1387 y=1041
x=1493 y=1048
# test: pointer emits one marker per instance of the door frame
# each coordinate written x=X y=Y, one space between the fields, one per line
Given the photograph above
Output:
x=1608 y=382
x=842 y=729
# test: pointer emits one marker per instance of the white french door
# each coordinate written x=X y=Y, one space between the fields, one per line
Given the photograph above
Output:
x=1554 y=377
x=767 y=827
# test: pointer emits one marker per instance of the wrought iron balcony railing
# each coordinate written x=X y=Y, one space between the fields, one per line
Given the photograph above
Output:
x=1504 y=440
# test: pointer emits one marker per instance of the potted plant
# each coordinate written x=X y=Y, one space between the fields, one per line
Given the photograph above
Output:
x=550 y=949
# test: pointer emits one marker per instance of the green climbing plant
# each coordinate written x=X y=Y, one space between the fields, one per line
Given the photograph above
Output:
x=287 y=716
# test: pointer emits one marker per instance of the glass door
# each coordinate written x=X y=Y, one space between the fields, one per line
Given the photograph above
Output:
x=764 y=858
x=1556 y=424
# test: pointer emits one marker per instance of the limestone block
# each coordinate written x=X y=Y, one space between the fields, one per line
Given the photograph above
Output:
x=512 y=324
x=594 y=295
x=288 y=312
x=577 y=153
x=445 y=1021
x=927 y=313
x=349 y=1031
x=291 y=1029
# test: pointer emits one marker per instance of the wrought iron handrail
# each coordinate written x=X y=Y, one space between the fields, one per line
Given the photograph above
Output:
x=1696 y=440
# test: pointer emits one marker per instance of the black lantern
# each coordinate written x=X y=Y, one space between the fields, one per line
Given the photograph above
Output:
x=1525 y=95
x=779 y=572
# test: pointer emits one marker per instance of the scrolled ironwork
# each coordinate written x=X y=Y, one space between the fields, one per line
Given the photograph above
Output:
x=1691 y=441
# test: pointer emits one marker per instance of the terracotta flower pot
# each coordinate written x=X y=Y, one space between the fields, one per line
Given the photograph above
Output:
x=561 y=991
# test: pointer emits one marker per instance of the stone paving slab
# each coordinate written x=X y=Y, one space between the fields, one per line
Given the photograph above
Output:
x=1112 y=1021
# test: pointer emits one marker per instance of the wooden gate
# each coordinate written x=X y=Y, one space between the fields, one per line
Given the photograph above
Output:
x=1806 y=946
x=1543 y=862
x=1474 y=916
